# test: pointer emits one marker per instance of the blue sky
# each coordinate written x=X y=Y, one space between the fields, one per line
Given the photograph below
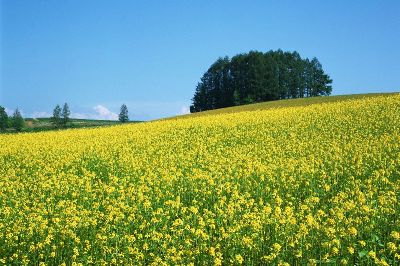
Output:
x=96 y=55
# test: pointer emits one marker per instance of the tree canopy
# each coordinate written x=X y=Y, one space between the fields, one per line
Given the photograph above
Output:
x=17 y=121
x=3 y=118
x=65 y=114
x=56 y=118
x=257 y=77
x=123 y=115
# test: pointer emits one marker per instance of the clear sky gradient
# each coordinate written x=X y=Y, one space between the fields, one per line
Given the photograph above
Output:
x=96 y=55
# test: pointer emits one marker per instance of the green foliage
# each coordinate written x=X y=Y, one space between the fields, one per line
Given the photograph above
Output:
x=123 y=115
x=3 y=118
x=56 y=119
x=65 y=114
x=258 y=77
x=362 y=253
x=45 y=124
x=18 y=122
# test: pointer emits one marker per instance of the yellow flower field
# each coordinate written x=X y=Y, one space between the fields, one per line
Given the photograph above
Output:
x=308 y=185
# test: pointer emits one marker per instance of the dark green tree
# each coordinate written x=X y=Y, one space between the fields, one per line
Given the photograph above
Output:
x=18 y=122
x=256 y=77
x=199 y=99
x=3 y=118
x=65 y=114
x=56 y=118
x=319 y=81
x=123 y=115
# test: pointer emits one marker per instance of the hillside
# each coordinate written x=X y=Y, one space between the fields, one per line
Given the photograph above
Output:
x=45 y=124
x=303 y=184
x=286 y=103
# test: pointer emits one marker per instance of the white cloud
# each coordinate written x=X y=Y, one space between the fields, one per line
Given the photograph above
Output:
x=100 y=113
x=185 y=110
x=103 y=113
x=40 y=114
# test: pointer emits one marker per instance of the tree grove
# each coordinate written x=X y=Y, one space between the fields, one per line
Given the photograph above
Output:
x=257 y=77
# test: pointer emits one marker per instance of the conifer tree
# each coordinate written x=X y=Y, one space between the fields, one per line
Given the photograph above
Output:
x=56 y=118
x=3 y=118
x=65 y=114
x=17 y=120
x=123 y=115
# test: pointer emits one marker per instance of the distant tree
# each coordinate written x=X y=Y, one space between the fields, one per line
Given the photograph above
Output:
x=123 y=115
x=65 y=114
x=56 y=118
x=17 y=120
x=3 y=118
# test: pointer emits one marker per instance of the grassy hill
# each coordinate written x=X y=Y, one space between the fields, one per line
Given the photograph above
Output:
x=44 y=124
x=285 y=103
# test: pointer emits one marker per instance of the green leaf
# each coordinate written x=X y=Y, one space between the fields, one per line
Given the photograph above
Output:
x=375 y=238
x=362 y=253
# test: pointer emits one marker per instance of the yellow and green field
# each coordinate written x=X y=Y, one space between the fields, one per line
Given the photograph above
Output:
x=303 y=184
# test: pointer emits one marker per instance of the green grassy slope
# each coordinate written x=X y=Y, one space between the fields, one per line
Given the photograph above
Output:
x=284 y=103
x=44 y=124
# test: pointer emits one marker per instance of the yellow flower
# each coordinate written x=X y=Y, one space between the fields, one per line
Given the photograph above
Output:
x=217 y=261
x=395 y=235
x=312 y=262
x=247 y=241
x=335 y=250
x=239 y=259
x=353 y=231
x=212 y=251
x=391 y=246
x=350 y=250
x=372 y=254
x=277 y=247
x=298 y=254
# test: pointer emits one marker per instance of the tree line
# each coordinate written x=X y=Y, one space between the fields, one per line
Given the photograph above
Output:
x=60 y=118
x=257 y=77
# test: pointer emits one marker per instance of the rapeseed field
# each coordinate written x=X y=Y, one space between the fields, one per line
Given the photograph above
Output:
x=303 y=185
